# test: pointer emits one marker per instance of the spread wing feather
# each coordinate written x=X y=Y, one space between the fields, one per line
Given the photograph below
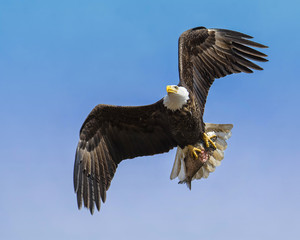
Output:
x=206 y=54
x=109 y=135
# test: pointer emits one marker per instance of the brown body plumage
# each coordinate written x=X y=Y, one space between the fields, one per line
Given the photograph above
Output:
x=186 y=124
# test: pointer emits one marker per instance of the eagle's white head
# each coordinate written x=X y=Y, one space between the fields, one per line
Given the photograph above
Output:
x=176 y=97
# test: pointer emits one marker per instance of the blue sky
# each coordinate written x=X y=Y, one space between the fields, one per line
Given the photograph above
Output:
x=58 y=59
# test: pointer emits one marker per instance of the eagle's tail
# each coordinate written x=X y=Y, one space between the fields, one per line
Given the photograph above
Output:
x=223 y=133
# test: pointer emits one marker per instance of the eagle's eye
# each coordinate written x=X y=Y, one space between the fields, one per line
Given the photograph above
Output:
x=176 y=87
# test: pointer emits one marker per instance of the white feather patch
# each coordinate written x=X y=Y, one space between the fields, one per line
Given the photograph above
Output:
x=214 y=162
x=208 y=166
x=182 y=173
x=218 y=154
x=175 y=101
x=177 y=163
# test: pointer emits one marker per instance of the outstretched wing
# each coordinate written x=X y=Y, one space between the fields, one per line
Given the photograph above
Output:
x=109 y=135
x=206 y=54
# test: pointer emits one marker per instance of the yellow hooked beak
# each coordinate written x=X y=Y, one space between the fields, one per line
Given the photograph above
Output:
x=171 y=89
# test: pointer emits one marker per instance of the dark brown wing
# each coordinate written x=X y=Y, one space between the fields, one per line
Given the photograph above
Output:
x=206 y=54
x=109 y=135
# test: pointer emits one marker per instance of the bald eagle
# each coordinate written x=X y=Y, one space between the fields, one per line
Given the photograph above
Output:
x=111 y=134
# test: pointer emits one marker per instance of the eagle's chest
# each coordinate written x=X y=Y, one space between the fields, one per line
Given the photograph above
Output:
x=185 y=125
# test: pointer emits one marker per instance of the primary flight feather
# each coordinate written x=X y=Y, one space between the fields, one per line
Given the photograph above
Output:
x=111 y=134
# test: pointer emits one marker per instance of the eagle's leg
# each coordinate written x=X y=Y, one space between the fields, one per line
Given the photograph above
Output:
x=208 y=140
x=193 y=151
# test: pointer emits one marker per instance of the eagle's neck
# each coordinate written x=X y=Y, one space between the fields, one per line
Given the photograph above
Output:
x=176 y=101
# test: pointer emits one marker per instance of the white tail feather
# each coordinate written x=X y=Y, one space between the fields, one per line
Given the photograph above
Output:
x=177 y=163
x=182 y=173
x=218 y=154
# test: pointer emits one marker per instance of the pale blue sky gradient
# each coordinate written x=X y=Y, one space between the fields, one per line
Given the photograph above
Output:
x=58 y=59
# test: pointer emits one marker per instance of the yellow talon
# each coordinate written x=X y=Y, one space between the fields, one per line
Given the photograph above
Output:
x=193 y=151
x=208 y=140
